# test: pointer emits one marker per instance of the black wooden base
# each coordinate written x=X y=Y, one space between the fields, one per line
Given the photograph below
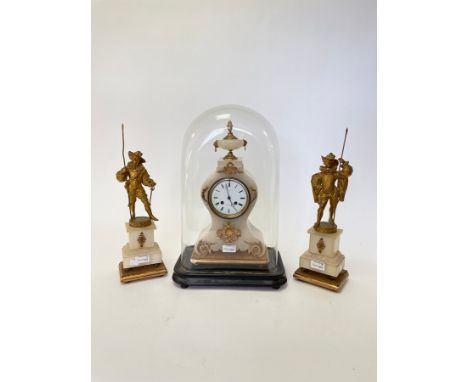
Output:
x=185 y=274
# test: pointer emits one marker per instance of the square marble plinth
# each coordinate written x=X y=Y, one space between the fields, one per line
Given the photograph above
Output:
x=326 y=244
x=332 y=283
x=331 y=266
x=140 y=237
x=141 y=256
x=141 y=273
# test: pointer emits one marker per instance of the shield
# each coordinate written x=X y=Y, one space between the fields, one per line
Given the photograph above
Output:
x=316 y=182
x=342 y=187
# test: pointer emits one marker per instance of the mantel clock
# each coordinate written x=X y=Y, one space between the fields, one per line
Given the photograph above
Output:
x=230 y=249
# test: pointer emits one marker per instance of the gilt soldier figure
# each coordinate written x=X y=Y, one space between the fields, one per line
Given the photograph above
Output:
x=135 y=176
x=329 y=186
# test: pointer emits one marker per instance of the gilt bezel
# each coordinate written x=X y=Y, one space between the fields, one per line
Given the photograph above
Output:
x=223 y=215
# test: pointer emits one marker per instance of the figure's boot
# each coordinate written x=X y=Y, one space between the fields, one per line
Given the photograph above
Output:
x=150 y=214
x=319 y=217
x=132 y=211
x=331 y=219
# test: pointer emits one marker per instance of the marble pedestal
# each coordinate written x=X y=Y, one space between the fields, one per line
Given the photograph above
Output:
x=141 y=256
x=323 y=263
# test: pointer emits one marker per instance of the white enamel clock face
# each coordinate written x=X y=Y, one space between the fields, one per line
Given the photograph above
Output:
x=229 y=198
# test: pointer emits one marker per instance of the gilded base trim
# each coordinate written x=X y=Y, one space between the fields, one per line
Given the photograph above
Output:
x=315 y=278
x=140 y=221
x=239 y=257
x=325 y=227
x=141 y=273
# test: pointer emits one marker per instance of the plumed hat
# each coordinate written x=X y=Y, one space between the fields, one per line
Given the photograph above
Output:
x=137 y=154
x=330 y=160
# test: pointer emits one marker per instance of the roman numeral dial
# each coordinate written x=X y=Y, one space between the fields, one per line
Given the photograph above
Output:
x=229 y=198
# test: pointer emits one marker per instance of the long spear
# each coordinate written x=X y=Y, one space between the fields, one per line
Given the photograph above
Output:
x=342 y=149
x=123 y=146
x=125 y=166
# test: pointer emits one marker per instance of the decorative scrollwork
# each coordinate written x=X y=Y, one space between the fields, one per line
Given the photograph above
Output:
x=204 y=247
x=256 y=248
x=230 y=168
x=253 y=192
x=203 y=193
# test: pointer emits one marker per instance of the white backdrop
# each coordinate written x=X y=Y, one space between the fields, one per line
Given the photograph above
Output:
x=309 y=67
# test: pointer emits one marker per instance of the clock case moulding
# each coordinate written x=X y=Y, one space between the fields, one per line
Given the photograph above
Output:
x=231 y=244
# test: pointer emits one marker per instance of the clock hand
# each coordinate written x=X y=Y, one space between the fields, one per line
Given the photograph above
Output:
x=233 y=206
x=229 y=198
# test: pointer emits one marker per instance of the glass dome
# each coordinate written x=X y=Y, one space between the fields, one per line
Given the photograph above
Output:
x=230 y=170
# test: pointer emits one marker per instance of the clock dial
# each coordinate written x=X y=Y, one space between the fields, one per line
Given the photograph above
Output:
x=229 y=198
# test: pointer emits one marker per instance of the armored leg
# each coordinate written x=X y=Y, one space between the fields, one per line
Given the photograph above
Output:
x=144 y=200
x=333 y=204
x=131 y=203
x=322 y=205
x=132 y=210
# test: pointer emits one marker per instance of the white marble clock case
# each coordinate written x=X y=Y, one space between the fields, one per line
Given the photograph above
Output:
x=251 y=250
